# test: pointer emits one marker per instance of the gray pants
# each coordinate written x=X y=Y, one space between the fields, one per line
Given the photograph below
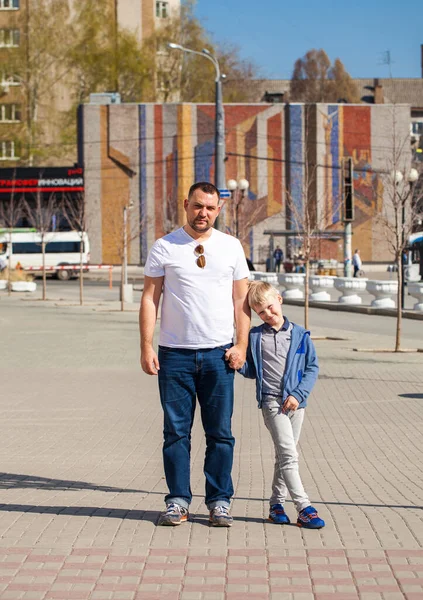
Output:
x=285 y=430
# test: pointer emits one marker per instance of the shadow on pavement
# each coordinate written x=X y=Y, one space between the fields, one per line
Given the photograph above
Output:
x=13 y=480
x=416 y=396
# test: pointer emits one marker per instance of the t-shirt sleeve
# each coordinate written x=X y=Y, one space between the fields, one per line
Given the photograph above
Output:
x=241 y=270
x=154 y=267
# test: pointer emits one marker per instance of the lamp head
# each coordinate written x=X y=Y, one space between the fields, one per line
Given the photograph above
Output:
x=175 y=46
x=232 y=185
x=397 y=176
x=243 y=184
x=413 y=175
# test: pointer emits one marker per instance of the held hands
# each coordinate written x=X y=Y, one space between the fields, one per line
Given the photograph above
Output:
x=236 y=356
x=150 y=362
x=290 y=403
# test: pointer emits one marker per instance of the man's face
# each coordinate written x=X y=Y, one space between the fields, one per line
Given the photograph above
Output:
x=202 y=210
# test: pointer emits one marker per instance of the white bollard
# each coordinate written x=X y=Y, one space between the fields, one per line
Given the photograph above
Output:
x=416 y=290
x=319 y=284
x=350 y=287
x=384 y=291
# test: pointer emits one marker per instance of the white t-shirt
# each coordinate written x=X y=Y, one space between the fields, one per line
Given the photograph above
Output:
x=197 y=309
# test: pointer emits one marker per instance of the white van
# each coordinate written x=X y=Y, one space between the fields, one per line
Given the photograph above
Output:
x=62 y=248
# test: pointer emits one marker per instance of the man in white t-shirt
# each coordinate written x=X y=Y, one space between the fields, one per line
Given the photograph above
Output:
x=202 y=274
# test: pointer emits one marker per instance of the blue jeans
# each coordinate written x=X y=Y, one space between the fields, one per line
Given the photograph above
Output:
x=184 y=376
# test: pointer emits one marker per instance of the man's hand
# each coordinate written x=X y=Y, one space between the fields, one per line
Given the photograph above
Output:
x=150 y=361
x=290 y=403
x=236 y=356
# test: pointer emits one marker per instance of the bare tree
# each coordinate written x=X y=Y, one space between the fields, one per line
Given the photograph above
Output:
x=74 y=211
x=400 y=209
x=40 y=216
x=118 y=243
x=11 y=211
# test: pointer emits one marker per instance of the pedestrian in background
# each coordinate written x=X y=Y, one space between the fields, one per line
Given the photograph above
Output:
x=278 y=256
x=356 y=261
x=203 y=276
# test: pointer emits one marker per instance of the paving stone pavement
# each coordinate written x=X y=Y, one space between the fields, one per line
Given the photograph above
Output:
x=81 y=482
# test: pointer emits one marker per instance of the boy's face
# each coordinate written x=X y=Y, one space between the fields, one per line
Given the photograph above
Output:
x=271 y=311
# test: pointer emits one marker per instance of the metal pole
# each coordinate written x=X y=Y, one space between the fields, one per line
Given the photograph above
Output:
x=348 y=250
x=125 y=248
x=402 y=252
x=236 y=215
x=219 y=140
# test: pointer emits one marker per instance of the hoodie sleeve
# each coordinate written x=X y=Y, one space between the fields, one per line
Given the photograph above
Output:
x=307 y=378
x=248 y=369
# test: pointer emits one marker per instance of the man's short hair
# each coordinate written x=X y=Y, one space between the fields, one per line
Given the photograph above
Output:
x=259 y=291
x=204 y=186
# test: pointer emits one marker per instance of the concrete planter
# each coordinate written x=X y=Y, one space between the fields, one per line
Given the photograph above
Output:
x=3 y=284
x=262 y=276
x=350 y=287
x=294 y=284
x=319 y=284
x=24 y=286
x=384 y=292
x=416 y=290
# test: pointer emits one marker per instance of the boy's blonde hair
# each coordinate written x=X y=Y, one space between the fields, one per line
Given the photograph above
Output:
x=259 y=291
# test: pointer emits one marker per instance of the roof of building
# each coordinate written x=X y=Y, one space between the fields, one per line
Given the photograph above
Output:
x=395 y=91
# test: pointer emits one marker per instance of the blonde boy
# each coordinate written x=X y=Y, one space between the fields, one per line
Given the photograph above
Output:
x=282 y=359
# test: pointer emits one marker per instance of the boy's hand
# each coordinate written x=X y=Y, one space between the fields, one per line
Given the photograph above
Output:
x=236 y=356
x=290 y=403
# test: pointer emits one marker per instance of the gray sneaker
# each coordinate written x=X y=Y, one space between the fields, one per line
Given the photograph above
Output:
x=220 y=517
x=175 y=514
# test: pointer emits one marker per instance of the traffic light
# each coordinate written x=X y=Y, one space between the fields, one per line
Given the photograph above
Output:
x=348 y=189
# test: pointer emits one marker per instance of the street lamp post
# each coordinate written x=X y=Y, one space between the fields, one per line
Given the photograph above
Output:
x=398 y=177
x=238 y=190
x=219 y=123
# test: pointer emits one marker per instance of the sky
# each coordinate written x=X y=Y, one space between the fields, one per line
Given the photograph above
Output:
x=273 y=33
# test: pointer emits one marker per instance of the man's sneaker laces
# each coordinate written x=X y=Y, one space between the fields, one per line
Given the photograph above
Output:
x=220 y=517
x=175 y=515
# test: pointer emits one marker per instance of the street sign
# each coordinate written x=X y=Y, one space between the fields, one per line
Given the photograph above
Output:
x=225 y=193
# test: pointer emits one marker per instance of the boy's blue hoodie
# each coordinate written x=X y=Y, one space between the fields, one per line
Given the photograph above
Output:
x=301 y=367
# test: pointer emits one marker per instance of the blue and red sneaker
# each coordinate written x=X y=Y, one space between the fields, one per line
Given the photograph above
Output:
x=309 y=518
x=278 y=515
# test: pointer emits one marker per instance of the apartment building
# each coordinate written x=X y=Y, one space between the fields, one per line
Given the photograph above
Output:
x=139 y=16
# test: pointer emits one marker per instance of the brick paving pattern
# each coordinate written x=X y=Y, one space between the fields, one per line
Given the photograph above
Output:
x=81 y=481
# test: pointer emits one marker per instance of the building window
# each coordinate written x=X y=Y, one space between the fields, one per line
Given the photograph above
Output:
x=162 y=10
x=7 y=81
x=10 y=112
x=9 y=4
x=9 y=38
x=9 y=150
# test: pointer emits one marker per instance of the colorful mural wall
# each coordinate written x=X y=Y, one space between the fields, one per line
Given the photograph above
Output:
x=288 y=153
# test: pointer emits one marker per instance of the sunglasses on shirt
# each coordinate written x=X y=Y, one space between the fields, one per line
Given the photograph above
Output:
x=201 y=260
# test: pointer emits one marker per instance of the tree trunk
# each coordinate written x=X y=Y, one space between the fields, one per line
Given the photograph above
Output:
x=306 y=292
x=399 y=307
x=122 y=280
x=43 y=250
